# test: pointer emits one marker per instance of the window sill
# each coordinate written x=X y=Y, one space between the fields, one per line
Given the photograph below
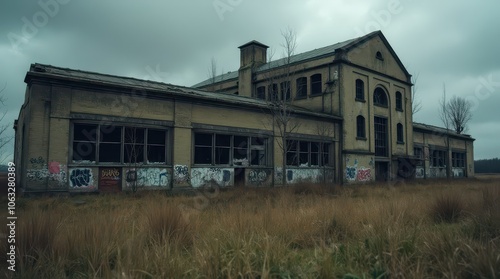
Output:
x=398 y=109
x=400 y=142
x=316 y=94
x=360 y=100
x=382 y=106
x=361 y=138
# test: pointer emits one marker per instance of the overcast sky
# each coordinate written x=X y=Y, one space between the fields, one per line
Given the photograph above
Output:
x=456 y=43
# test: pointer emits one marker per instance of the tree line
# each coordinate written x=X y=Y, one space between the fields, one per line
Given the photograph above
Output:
x=487 y=165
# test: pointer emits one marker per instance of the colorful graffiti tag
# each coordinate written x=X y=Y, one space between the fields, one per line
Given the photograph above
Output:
x=206 y=176
x=81 y=178
x=148 y=177
x=181 y=174
x=358 y=173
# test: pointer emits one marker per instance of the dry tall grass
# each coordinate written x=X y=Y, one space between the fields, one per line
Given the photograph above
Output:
x=441 y=229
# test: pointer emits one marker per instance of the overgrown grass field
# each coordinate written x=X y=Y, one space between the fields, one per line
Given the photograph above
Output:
x=421 y=229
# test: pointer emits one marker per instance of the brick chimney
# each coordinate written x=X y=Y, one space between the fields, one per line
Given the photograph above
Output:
x=252 y=55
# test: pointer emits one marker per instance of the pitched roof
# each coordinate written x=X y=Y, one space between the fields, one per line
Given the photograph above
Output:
x=152 y=87
x=430 y=129
x=301 y=57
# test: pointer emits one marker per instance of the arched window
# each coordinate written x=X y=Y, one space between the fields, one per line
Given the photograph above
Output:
x=316 y=84
x=379 y=97
x=399 y=101
x=379 y=55
x=360 y=127
x=360 y=90
x=400 y=133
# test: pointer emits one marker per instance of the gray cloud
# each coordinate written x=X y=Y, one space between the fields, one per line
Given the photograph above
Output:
x=444 y=42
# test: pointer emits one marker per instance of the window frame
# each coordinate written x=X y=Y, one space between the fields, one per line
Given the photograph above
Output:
x=260 y=93
x=316 y=84
x=249 y=149
x=322 y=150
x=100 y=142
x=399 y=101
x=360 y=90
x=400 y=133
x=437 y=158
x=301 y=89
x=360 y=127
x=379 y=95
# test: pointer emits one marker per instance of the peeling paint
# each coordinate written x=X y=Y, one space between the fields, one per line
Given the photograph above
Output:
x=204 y=176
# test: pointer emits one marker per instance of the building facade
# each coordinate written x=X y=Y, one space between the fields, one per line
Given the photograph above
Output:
x=339 y=114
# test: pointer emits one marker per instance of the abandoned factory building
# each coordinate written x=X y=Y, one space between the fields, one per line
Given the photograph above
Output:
x=337 y=114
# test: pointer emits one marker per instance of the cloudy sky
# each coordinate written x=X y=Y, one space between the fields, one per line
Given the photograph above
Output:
x=455 y=43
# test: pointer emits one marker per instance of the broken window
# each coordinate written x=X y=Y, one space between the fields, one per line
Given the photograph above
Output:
x=419 y=155
x=156 y=146
x=437 y=158
x=316 y=87
x=222 y=149
x=105 y=143
x=307 y=153
x=84 y=142
x=203 y=148
x=110 y=144
x=229 y=149
x=458 y=159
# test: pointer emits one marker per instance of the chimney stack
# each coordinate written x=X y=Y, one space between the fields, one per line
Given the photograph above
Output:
x=252 y=55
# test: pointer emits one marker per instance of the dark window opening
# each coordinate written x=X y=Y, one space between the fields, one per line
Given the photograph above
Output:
x=360 y=127
x=316 y=86
x=419 y=155
x=261 y=92
x=360 y=90
x=380 y=136
x=203 y=148
x=379 y=97
x=400 y=133
x=307 y=153
x=301 y=87
x=379 y=56
x=106 y=143
x=458 y=159
x=437 y=158
x=285 y=90
x=273 y=92
x=399 y=101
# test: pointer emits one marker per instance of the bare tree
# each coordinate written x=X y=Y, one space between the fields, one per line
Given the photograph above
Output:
x=444 y=115
x=459 y=113
x=212 y=71
x=134 y=152
x=4 y=139
x=280 y=99
x=416 y=104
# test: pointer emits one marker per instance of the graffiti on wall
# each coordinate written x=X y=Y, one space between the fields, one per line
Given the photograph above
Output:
x=206 y=176
x=312 y=175
x=419 y=172
x=181 y=174
x=358 y=173
x=259 y=177
x=54 y=172
x=148 y=177
x=81 y=178
x=458 y=172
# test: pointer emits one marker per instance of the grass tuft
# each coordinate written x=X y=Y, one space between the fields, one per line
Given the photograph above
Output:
x=447 y=208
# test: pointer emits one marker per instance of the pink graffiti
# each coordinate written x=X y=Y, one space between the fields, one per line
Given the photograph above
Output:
x=54 y=168
x=364 y=175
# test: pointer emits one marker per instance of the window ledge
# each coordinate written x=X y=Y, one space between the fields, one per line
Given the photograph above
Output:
x=400 y=142
x=361 y=138
x=360 y=100
x=382 y=106
x=316 y=94
x=399 y=109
